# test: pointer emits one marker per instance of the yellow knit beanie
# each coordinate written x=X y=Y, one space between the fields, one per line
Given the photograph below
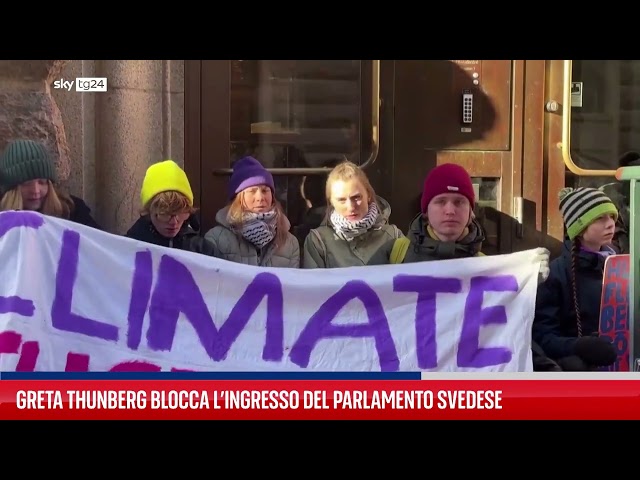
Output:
x=165 y=176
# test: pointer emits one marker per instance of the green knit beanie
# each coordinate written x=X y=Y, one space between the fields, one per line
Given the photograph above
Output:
x=25 y=160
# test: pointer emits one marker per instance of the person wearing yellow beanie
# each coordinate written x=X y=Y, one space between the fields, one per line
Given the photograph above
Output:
x=166 y=217
x=165 y=176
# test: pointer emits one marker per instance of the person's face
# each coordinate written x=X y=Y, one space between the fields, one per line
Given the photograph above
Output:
x=34 y=192
x=168 y=224
x=600 y=232
x=258 y=199
x=449 y=215
x=350 y=199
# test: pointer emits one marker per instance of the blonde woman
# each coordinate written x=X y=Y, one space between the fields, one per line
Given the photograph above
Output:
x=356 y=224
x=253 y=228
x=28 y=178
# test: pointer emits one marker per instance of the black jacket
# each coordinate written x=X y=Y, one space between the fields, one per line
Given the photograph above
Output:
x=186 y=239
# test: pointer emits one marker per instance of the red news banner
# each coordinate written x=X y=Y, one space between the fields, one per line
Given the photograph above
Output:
x=319 y=399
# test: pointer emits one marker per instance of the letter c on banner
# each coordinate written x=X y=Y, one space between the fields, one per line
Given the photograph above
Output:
x=9 y=221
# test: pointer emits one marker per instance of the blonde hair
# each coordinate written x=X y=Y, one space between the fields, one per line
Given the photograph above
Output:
x=170 y=202
x=235 y=217
x=55 y=204
x=346 y=171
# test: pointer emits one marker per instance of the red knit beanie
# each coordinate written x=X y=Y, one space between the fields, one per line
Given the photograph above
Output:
x=447 y=178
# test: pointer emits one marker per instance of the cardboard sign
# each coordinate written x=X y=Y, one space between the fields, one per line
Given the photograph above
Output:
x=614 y=309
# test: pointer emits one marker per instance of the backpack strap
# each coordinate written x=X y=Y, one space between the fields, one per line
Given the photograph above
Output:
x=399 y=250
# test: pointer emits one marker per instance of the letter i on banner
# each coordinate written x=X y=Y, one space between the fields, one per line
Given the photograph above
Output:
x=614 y=309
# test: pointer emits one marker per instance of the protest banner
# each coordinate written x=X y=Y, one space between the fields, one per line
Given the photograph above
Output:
x=77 y=299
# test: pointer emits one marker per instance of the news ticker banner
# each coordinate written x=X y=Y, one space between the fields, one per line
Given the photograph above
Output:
x=250 y=396
x=161 y=309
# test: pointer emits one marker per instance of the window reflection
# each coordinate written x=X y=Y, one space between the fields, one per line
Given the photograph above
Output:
x=311 y=106
x=605 y=121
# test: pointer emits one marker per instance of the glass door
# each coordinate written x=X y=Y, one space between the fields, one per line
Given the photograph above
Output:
x=300 y=118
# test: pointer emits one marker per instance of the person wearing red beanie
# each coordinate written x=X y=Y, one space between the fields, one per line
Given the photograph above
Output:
x=447 y=179
x=446 y=226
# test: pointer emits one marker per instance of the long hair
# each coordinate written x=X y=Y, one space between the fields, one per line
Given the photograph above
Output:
x=575 y=250
x=237 y=209
x=56 y=204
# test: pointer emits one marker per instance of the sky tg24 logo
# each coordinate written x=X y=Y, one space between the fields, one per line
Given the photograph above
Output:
x=87 y=84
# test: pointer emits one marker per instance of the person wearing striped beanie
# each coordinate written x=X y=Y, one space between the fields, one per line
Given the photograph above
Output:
x=567 y=317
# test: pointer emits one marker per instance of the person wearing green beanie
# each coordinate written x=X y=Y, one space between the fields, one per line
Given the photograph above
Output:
x=28 y=180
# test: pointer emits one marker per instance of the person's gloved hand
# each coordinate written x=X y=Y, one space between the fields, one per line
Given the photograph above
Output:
x=573 y=363
x=542 y=256
x=596 y=351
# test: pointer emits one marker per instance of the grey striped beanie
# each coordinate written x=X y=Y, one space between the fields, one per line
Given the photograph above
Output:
x=582 y=206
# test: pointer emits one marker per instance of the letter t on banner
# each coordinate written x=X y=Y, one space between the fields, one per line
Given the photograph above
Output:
x=427 y=288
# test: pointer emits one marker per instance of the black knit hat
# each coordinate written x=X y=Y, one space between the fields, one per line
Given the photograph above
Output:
x=24 y=160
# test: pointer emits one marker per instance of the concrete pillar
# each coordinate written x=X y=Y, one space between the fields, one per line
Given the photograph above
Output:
x=131 y=134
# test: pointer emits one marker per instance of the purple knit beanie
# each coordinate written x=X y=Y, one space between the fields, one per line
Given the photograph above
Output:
x=248 y=172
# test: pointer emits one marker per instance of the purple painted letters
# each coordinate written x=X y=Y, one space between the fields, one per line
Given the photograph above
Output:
x=8 y=221
x=320 y=326
x=427 y=288
x=469 y=352
x=62 y=317
x=176 y=291
x=18 y=305
x=140 y=293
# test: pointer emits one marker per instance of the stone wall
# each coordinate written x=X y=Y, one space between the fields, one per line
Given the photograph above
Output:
x=28 y=109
